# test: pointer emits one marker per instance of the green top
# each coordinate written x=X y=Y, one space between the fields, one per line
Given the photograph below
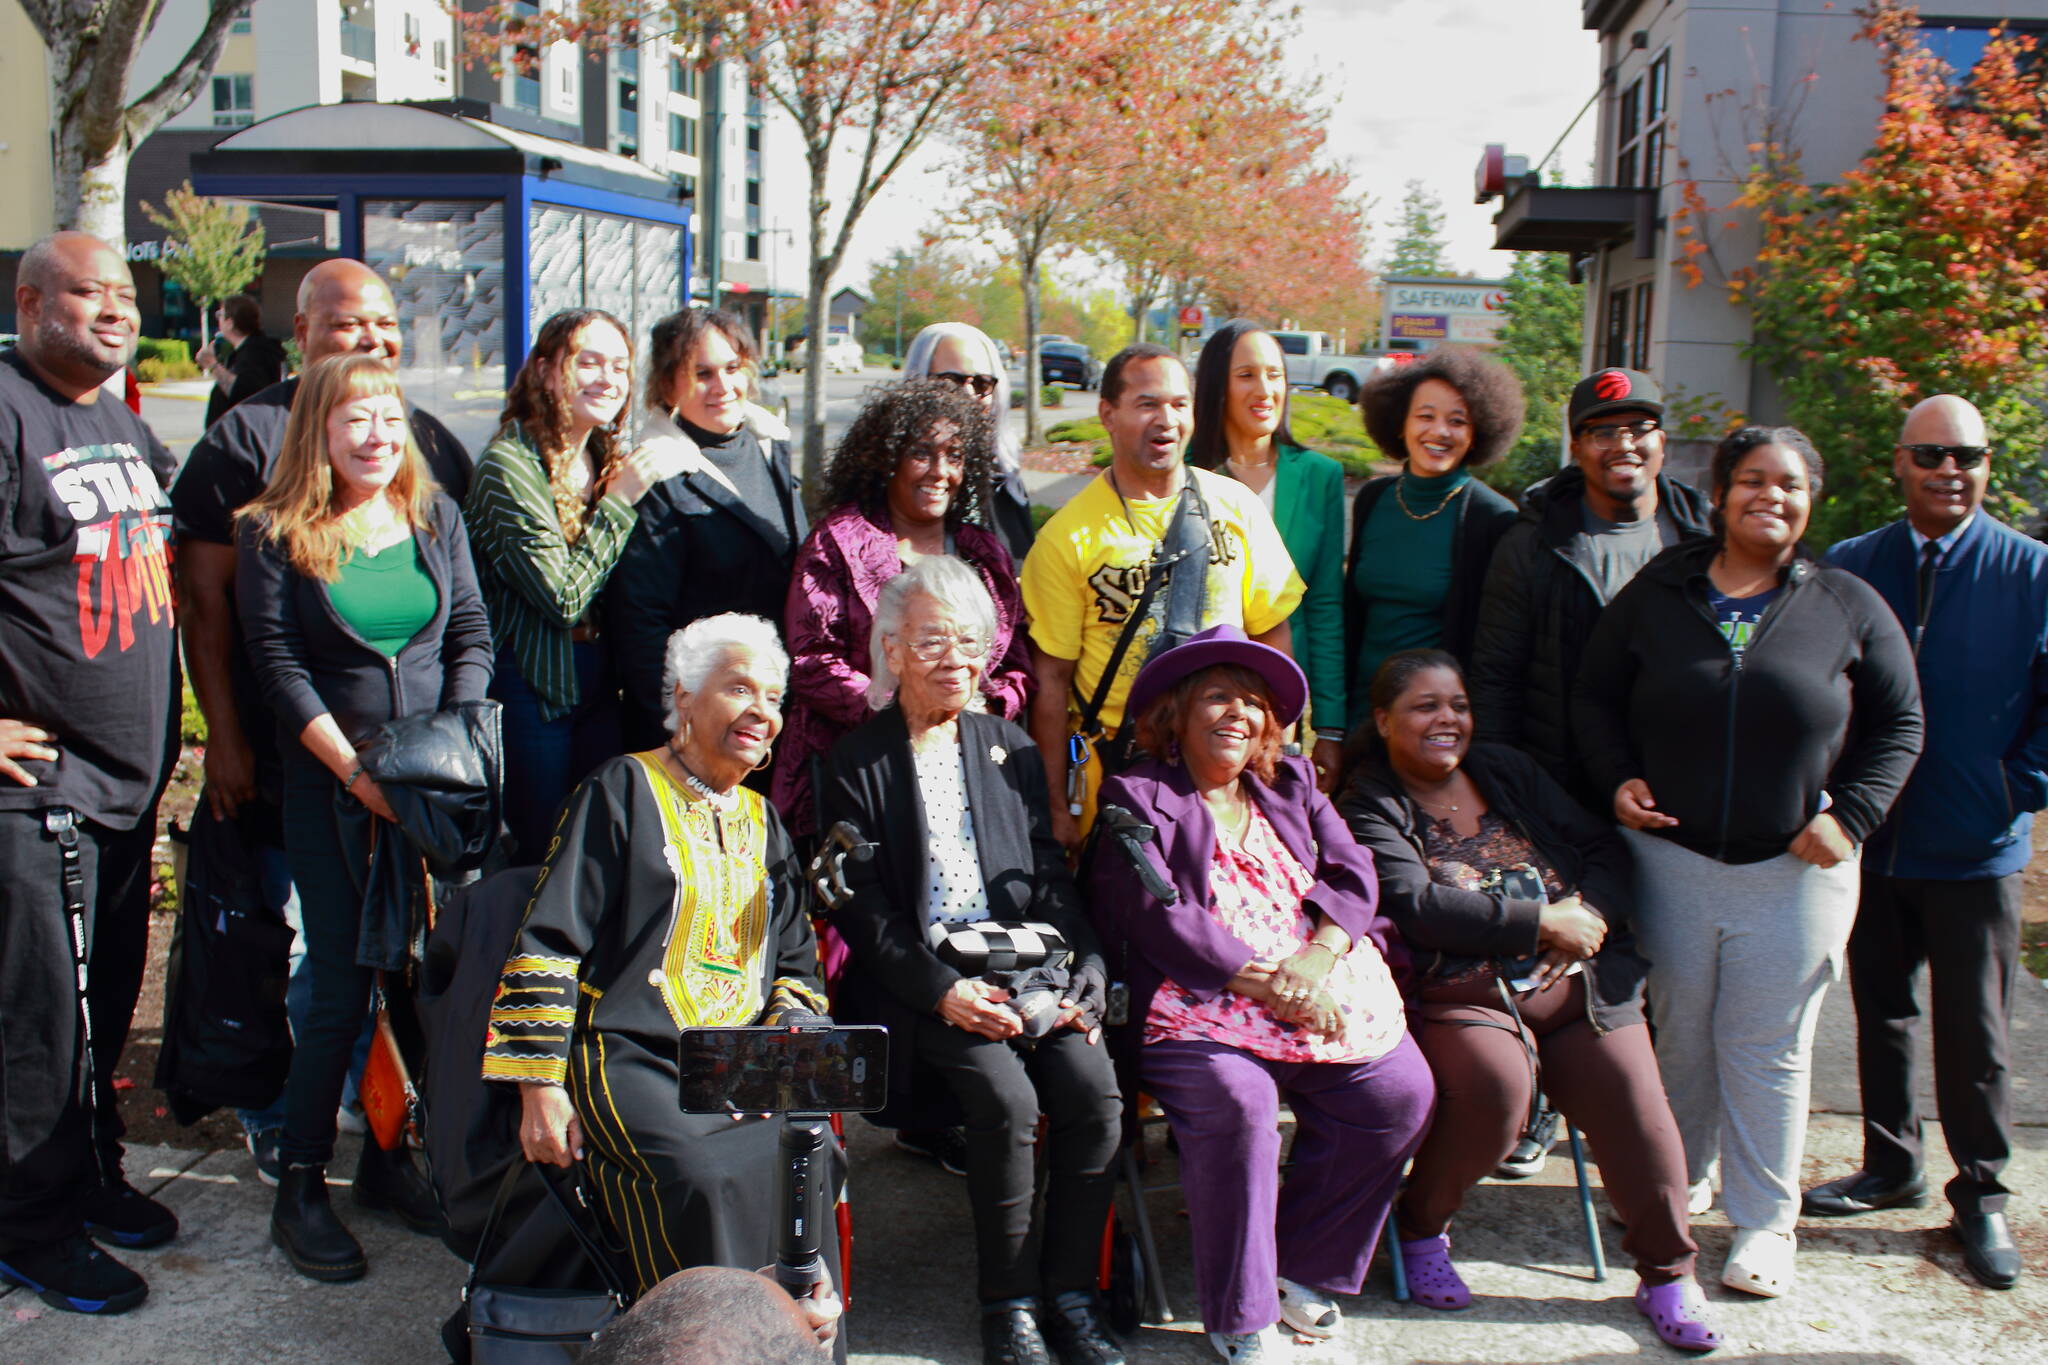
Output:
x=536 y=585
x=1404 y=570
x=387 y=598
x=1308 y=509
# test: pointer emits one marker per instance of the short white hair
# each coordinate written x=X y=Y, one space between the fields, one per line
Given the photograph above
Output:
x=702 y=645
x=954 y=585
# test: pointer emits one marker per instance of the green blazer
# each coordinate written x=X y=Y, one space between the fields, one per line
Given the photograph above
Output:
x=1308 y=507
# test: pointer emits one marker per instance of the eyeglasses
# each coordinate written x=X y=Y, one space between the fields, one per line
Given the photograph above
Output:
x=1609 y=436
x=931 y=648
x=982 y=384
x=1933 y=456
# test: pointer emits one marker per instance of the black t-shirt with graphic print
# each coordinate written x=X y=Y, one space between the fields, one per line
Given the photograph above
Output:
x=88 y=647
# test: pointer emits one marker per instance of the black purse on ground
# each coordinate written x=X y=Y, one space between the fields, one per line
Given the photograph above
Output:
x=517 y=1325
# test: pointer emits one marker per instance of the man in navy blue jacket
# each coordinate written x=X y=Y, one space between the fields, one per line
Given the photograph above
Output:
x=1941 y=879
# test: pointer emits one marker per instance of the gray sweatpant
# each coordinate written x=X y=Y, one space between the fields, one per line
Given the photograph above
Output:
x=1740 y=959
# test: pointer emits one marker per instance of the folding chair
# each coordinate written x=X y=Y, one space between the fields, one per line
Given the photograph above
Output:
x=1594 y=1251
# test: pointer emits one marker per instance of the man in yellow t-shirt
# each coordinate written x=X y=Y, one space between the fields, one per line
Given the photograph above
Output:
x=1086 y=571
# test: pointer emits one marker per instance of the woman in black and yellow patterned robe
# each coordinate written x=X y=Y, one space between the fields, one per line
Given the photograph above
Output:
x=671 y=898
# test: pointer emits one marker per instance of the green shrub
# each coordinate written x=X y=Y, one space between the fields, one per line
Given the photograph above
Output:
x=155 y=370
x=1051 y=396
x=1082 y=431
x=191 y=721
x=1334 y=427
x=171 y=350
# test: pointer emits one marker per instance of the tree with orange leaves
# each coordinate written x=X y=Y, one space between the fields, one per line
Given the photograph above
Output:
x=1923 y=270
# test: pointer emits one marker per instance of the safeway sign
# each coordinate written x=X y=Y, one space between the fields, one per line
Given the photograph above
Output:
x=1436 y=312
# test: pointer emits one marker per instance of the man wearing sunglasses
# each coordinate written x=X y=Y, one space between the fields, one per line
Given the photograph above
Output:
x=1941 y=879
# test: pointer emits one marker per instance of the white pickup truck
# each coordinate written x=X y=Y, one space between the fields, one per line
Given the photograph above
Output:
x=1312 y=363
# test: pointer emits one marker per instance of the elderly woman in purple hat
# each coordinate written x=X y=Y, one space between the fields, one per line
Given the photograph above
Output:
x=1264 y=976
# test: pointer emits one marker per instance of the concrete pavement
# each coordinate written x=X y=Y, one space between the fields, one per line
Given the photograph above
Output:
x=1888 y=1289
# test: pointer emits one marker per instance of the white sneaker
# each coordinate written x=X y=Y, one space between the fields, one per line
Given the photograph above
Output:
x=1308 y=1311
x=1248 y=1348
x=1700 y=1197
x=1760 y=1262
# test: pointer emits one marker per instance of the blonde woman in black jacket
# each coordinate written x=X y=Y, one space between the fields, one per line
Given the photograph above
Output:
x=360 y=605
x=1754 y=713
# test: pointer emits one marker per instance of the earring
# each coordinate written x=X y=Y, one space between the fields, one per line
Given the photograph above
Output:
x=766 y=759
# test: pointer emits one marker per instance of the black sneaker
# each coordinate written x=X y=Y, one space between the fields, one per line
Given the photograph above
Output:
x=74 y=1276
x=263 y=1147
x=124 y=1216
x=1533 y=1150
x=947 y=1146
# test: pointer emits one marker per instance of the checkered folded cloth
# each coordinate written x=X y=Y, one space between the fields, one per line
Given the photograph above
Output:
x=989 y=946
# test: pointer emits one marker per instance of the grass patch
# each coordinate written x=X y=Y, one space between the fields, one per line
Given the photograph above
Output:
x=1318 y=421
x=191 y=720
x=2034 y=948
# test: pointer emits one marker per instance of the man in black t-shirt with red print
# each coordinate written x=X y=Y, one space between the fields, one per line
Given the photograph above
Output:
x=88 y=687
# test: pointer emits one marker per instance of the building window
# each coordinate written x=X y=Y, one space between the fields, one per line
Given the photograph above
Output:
x=568 y=76
x=441 y=54
x=687 y=186
x=629 y=109
x=412 y=35
x=1639 y=127
x=753 y=137
x=1616 y=349
x=682 y=78
x=1639 y=336
x=753 y=246
x=682 y=135
x=241 y=25
x=754 y=193
x=234 y=101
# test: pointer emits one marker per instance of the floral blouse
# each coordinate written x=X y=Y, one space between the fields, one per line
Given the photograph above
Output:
x=1256 y=893
x=1455 y=860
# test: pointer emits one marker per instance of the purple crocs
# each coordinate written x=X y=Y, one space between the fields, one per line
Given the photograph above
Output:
x=1433 y=1281
x=1678 y=1311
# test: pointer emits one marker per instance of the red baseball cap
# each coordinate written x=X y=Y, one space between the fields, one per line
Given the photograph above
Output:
x=1614 y=390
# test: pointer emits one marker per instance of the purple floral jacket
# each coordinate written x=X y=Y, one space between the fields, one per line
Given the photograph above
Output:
x=830 y=614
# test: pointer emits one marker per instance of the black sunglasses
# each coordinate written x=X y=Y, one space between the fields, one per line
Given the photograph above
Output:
x=1932 y=456
x=982 y=384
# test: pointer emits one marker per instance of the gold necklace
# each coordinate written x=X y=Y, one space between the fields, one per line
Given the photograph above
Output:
x=1440 y=508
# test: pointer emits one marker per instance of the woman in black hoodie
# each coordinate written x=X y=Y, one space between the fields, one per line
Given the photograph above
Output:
x=360 y=605
x=1754 y=712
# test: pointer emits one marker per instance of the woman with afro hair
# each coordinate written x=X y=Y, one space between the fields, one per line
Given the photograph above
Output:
x=910 y=478
x=1421 y=539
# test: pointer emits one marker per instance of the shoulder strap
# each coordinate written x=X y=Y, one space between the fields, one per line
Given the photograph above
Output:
x=592 y=1247
x=1164 y=557
x=1189 y=538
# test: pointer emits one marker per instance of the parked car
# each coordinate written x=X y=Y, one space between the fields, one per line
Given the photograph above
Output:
x=1064 y=361
x=843 y=354
x=1312 y=363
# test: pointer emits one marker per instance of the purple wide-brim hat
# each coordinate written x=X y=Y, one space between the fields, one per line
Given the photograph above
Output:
x=1214 y=646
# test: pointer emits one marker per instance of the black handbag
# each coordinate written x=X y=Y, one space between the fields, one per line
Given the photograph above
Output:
x=516 y=1325
x=441 y=771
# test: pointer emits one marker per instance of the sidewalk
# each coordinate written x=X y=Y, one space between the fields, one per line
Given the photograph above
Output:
x=1885 y=1290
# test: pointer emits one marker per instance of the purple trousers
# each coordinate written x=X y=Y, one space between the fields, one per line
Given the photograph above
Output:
x=1356 y=1125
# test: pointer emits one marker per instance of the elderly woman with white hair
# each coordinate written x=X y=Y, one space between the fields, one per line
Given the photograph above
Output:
x=954 y=802
x=965 y=357
x=671 y=899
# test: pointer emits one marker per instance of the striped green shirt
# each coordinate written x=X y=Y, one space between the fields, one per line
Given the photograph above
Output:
x=536 y=585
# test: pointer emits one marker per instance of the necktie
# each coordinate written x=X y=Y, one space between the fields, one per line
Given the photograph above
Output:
x=1930 y=560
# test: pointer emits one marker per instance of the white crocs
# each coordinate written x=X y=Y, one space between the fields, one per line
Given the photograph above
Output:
x=1699 y=1197
x=1247 y=1348
x=1308 y=1311
x=1760 y=1262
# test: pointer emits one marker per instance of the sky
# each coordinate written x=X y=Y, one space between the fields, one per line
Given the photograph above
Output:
x=1417 y=89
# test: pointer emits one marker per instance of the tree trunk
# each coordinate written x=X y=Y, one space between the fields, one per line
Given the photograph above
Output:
x=811 y=461
x=1034 y=383
x=91 y=194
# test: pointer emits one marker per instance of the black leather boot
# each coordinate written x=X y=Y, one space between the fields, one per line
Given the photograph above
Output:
x=390 y=1180
x=304 y=1226
x=1009 y=1333
x=1073 y=1329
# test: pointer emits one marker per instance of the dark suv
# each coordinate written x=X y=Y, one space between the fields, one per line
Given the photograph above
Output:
x=1061 y=361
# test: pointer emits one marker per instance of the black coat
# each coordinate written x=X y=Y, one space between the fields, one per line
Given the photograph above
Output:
x=309 y=661
x=893 y=976
x=1483 y=518
x=696 y=550
x=1740 y=749
x=1448 y=929
x=1538 y=610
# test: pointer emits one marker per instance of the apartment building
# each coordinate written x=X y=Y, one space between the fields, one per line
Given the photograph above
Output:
x=1685 y=85
x=739 y=162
